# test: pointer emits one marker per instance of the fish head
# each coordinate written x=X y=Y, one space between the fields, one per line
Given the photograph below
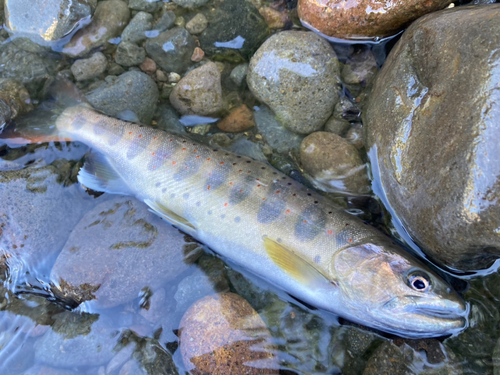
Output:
x=388 y=289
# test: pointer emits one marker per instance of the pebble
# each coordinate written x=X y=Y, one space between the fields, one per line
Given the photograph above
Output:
x=239 y=120
x=190 y=3
x=108 y=22
x=115 y=69
x=173 y=77
x=197 y=24
x=14 y=98
x=129 y=54
x=115 y=251
x=161 y=76
x=274 y=18
x=135 y=32
x=166 y=21
x=168 y=119
x=388 y=359
x=363 y=19
x=333 y=164
x=198 y=55
x=148 y=66
x=223 y=334
x=301 y=88
x=337 y=126
x=199 y=92
x=89 y=68
x=180 y=21
x=239 y=74
x=172 y=49
x=134 y=91
x=143 y=5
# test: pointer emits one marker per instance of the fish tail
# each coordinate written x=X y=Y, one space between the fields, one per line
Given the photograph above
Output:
x=40 y=125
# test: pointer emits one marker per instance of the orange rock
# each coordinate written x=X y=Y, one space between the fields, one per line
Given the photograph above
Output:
x=198 y=55
x=274 y=18
x=237 y=121
x=148 y=66
x=222 y=334
x=363 y=19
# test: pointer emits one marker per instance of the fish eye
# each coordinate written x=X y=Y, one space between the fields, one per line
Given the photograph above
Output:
x=419 y=281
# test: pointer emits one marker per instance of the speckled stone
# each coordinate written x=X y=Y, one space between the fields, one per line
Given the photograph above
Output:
x=299 y=86
x=197 y=24
x=190 y=3
x=129 y=54
x=135 y=31
x=363 y=19
x=239 y=120
x=333 y=164
x=434 y=117
x=89 y=68
x=222 y=334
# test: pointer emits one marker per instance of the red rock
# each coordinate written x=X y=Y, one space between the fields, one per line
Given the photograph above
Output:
x=148 y=66
x=198 y=55
x=352 y=19
x=237 y=121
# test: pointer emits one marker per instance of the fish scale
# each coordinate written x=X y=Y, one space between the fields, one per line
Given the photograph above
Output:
x=258 y=218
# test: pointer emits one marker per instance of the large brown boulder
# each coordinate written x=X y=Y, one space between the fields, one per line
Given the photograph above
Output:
x=433 y=123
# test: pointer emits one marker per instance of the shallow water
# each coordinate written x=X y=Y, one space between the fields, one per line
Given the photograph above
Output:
x=43 y=330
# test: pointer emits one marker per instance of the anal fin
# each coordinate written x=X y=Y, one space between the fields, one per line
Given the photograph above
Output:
x=99 y=174
x=292 y=264
x=170 y=216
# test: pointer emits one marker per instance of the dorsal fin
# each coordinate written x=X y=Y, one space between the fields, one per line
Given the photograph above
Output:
x=99 y=174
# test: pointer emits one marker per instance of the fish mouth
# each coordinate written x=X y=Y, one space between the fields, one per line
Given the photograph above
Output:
x=444 y=313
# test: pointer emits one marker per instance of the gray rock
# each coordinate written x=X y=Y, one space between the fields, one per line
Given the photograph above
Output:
x=333 y=165
x=117 y=250
x=89 y=68
x=14 y=100
x=438 y=150
x=168 y=120
x=47 y=207
x=239 y=74
x=144 y=5
x=77 y=340
x=190 y=3
x=236 y=30
x=135 y=30
x=115 y=69
x=129 y=54
x=337 y=126
x=301 y=88
x=172 y=49
x=280 y=139
x=133 y=91
x=388 y=359
x=166 y=21
x=199 y=92
x=30 y=69
x=108 y=22
x=45 y=21
x=197 y=24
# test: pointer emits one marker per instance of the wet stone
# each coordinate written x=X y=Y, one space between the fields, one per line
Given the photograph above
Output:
x=239 y=120
x=236 y=31
x=14 y=98
x=129 y=54
x=143 y=5
x=45 y=21
x=168 y=120
x=388 y=359
x=239 y=74
x=134 y=91
x=197 y=24
x=223 y=334
x=89 y=68
x=166 y=21
x=190 y=3
x=199 y=92
x=148 y=66
x=337 y=126
x=301 y=88
x=135 y=32
x=115 y=251
x=172 y=49
x=108 y=22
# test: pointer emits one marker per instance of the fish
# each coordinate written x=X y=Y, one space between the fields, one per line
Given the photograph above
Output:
x=254 y=216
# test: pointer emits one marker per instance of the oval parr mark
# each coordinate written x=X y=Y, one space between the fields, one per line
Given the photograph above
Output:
x=270 y=210
x=100 y=127
x=137 y=147
x=218 y=176
x=188 y=168
x=115 y=135
x=310 y=223
x=241 y=190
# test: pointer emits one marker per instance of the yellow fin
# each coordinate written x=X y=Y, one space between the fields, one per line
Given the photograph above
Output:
x=293 y=265
x=170 y=216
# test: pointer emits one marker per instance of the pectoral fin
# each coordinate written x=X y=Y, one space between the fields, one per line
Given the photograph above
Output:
x=170 y=216
x=293 y=265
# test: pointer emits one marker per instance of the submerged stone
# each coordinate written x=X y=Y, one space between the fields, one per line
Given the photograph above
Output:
x=432 y=128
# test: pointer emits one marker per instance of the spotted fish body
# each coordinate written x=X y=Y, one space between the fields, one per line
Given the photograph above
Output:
x=267 y=223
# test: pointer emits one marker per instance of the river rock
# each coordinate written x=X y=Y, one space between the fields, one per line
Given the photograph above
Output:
x=199 y=92
x=135 y=32
x=432 y=128
x=129 y=54
x=333 y=164
x=45 y=21
x=172 y=49
x=223 y=334
x=47 y=207
x=236 y=29
x=14 y=100
x=110 y=18
x=363 y=19
x=143 y=5
x=239 y=120
x=197 y=24
x=337 y=126
x=115 y=251
x=239 y=74
x=92 y=67
x=388 y=359
x=300 y=87
x=133 y=91
x=191 y=3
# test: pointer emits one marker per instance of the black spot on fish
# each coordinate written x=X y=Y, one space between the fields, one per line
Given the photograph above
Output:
x=186 y=196
x=163 y=190
x=310 y=223
x=223 y=216
x=237 y=219
x=136 y=148
x=218 y=177
x=158 y=184
x=241 y=190
x=198 y=204
x=172 y=195
x=209 y=212
x=317 y=259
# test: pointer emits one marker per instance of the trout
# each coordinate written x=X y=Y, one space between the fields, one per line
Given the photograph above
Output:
x=256 y=217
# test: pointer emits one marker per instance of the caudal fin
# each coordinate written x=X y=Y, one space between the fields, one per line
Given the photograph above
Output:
x=39 y=125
